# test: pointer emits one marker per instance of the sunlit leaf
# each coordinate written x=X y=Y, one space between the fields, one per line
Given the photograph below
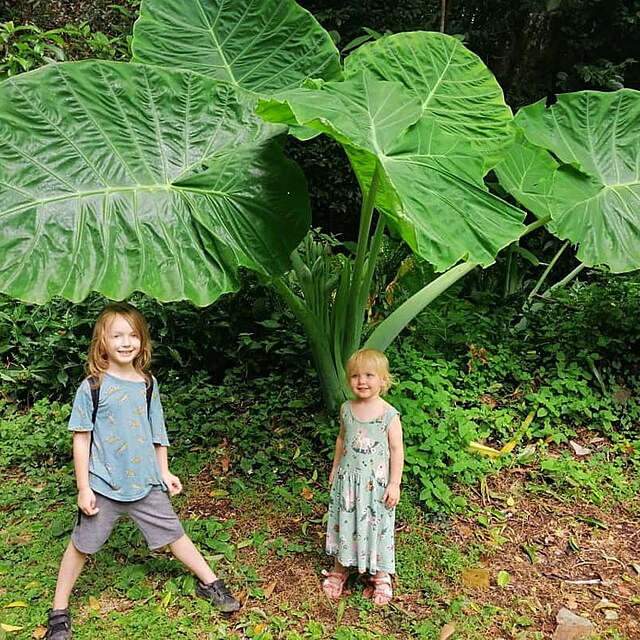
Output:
x=9 y=628
x=117 y=177
x=503 y=578
x=431 y=189
x=454 y=87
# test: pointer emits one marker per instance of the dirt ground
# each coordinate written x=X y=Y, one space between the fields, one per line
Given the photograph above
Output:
x=556 y=554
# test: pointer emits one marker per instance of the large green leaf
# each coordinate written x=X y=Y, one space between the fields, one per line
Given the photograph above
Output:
x=259 y=45
x=454 y=87
x=578 y=163
x=431 y=189
x=117 y=177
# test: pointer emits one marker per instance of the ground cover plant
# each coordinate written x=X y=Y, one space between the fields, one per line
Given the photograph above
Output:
x=545 y=526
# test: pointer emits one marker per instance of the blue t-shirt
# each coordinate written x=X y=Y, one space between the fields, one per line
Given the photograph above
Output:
x=122 y=465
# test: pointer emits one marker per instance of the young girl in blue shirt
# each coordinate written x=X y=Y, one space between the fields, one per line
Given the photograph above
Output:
x=121 y=463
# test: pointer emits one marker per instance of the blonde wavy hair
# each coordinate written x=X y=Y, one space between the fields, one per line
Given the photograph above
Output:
x=374 y=359
x=98 y=360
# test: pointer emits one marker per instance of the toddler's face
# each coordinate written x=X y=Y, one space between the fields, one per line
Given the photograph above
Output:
x=366 y=382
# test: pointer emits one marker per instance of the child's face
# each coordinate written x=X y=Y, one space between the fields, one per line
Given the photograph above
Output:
x=121 y=342
x=366 y=382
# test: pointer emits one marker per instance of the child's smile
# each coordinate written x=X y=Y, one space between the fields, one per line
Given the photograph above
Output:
x=365 y=384
x=122 y=343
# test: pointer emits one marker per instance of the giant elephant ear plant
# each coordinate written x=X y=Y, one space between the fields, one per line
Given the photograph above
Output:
x=158 y=175
x=116 y=177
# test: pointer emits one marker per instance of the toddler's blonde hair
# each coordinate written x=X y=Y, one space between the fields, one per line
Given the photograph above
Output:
x=373 y=358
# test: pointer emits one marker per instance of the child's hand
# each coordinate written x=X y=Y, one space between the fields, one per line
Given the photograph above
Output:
x=332 y=476
x=391 y=496
x=173 y=484
x=87 y=502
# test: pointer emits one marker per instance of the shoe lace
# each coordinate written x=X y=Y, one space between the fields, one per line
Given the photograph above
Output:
x=222 y=590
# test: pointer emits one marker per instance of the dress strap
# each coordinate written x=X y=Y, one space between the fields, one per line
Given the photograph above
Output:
x=389 y=414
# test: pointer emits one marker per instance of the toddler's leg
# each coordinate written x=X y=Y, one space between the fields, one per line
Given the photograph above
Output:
x=334 y=581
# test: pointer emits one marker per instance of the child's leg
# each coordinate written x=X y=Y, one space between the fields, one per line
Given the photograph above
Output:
x=185 y=551
x=379 y=589
x=210 y=587
x=70 y=568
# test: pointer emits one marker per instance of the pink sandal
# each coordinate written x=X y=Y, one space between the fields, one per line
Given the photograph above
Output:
x=379 y=590
x=333 y=583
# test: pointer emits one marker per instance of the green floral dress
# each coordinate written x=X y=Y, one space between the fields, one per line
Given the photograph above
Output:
x=360 y=529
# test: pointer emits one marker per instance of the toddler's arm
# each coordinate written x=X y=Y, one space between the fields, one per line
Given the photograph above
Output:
x=337 y=454
x=173 y=484
x=81 y=452
x=396 y=462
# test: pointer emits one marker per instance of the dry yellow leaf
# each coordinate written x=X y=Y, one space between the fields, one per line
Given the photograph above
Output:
x=17 y=603
x=93 y=603
x=9 y=627
x=447 y=631
x=477 y=447
x=268 y=590
x=476 y=578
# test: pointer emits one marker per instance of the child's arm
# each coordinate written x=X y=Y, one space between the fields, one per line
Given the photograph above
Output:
x=173 y=484
x=337 y=454
x=81 y=451
x=391 y=496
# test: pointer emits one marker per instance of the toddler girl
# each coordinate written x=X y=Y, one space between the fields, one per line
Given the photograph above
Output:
x=365 y=481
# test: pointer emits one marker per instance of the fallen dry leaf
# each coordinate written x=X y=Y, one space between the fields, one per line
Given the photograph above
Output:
x=268 y=590
x=476 y=578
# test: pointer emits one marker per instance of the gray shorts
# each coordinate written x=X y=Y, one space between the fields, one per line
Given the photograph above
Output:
x=153 y=515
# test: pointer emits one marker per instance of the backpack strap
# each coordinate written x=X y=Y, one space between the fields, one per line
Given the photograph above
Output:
x=94 y=387
x=149 y=394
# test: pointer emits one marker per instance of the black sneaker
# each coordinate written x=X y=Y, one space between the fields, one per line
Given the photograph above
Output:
x=59 y=625
x=219 y=595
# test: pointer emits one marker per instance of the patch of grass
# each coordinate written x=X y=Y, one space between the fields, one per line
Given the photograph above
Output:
x=269 y=548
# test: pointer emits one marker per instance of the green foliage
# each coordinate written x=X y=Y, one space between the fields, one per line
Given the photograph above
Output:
x=255 y=424
x=43 y=348
x=35 y=438
x=467 y=373
x=601 y=476
x=437 y=430
x=26 y=47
